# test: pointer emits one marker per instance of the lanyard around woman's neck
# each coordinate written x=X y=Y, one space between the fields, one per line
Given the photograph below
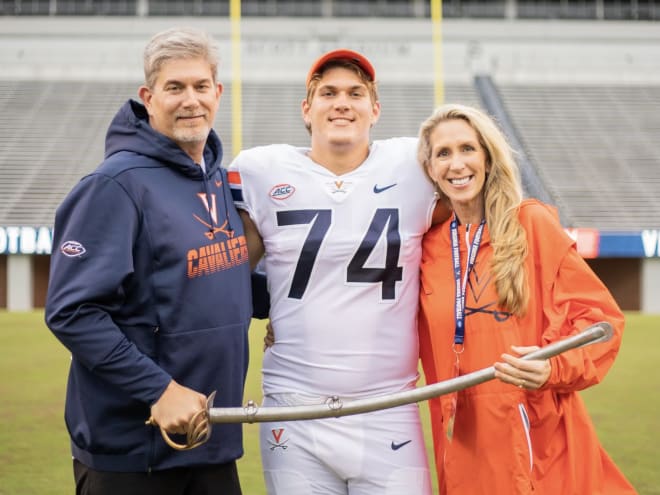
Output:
x=473 y=249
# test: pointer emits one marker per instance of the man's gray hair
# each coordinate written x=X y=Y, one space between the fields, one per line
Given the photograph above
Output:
x=175 y=44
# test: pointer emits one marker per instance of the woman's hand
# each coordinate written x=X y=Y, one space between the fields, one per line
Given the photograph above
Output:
x=269 y=338
x=530 y=375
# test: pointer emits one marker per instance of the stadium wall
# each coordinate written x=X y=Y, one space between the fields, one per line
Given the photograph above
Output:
x=80 y=48
x=4 y=281
x=622 y=276
x=631 y=276
x=650 y=286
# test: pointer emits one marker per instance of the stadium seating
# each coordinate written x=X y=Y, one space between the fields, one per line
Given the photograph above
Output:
x=591 y=140
x=595 y=148
x=52 y=134
x=54 y=131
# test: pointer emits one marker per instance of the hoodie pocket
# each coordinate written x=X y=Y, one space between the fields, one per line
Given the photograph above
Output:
x=207 y=359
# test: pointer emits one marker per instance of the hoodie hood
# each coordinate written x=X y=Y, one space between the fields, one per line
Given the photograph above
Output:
x=130 y=131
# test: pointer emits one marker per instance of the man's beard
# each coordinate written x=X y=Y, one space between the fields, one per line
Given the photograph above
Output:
x=190 y=135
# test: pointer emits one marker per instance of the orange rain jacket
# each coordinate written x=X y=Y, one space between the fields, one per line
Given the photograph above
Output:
x=507 y=440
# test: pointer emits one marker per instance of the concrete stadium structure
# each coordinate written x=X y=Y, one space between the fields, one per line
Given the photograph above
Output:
x=581 y=100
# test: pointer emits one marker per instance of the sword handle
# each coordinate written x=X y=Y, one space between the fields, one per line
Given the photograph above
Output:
x=197 y=435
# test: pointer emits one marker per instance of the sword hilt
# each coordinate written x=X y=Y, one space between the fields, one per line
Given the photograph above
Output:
x=199 y=428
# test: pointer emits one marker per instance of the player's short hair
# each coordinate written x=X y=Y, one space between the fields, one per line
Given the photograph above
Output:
x=347 y=59
x=314 y=79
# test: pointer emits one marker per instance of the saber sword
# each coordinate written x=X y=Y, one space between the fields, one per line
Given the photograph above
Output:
x=335 y=407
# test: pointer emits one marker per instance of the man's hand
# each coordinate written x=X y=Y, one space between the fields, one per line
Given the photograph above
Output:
x=175 y=408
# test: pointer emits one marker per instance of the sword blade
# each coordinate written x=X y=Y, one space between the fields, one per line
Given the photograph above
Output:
x=334 y=407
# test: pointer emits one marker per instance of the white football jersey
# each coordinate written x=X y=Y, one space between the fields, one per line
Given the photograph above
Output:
x=342 y=263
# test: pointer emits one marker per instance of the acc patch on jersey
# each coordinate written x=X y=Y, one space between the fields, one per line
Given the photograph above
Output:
x=72 y=249
x=282 y=191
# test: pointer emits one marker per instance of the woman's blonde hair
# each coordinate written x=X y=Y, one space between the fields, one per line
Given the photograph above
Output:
x=502 y=198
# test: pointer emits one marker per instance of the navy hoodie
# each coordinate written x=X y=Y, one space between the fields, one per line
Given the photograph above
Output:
x=149 y=282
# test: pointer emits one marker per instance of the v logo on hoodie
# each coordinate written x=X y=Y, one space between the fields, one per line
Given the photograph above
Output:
x=212 y=208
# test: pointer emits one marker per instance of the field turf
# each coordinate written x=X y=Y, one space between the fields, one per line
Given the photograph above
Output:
x=34 y=446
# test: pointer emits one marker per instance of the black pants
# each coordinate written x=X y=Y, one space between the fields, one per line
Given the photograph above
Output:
x=216 y=479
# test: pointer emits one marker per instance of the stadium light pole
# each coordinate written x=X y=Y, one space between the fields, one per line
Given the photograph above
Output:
x=236 y=93
x=438 y=79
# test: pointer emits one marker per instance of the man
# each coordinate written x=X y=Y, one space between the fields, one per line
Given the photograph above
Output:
x=150 y=287
x=341 y=224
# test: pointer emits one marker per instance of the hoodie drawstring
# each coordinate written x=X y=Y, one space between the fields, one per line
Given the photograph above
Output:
x=226 y=192
x=209 y=203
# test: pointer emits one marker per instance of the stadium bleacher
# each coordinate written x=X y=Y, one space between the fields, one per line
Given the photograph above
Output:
x=523 y=9
x=596 y=148
x=583 y=98
x=54 y=131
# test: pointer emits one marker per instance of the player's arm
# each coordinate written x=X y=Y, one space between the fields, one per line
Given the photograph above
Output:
x=254 y=241
x=260 y=295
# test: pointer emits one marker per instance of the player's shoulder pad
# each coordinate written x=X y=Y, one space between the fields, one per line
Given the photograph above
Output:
x=397 y=142
x=260 y=156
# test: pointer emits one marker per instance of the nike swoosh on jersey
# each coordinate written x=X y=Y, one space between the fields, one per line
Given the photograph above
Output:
x=381 y=189
x=397 y=446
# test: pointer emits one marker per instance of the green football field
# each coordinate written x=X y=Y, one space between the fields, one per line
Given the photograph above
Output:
x=34 y=447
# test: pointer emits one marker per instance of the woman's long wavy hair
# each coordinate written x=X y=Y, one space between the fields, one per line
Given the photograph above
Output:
x=502 y=198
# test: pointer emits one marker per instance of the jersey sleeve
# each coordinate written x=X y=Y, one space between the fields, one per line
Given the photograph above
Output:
x=420 y=185
x=236 y=183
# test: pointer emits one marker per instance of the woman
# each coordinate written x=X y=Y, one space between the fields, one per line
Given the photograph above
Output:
x=499 y=279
